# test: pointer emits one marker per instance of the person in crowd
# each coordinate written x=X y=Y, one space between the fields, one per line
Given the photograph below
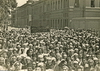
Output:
x=62 y=66
x=29 y=67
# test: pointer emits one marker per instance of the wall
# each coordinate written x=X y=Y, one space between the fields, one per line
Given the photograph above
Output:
x=86 y=23
x=50 y=13
x=22 y=14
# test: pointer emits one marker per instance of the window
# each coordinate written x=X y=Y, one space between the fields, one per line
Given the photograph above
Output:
x=58 y=4
x=53 y=5
x=92 y=3
x=76 y=3
x=61 y=4
x=48 y=7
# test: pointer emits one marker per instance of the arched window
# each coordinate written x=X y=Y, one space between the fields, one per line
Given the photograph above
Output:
x=92 y=3
x=76 y=3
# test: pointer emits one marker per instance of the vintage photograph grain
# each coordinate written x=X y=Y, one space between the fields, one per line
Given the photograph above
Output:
x=49 y=35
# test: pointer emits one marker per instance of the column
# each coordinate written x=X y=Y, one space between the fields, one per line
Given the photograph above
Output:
x=88 y=3
x=54 y=2
x=57 y=23
x=63 y=4
x=66 y=22
x=54 y=23
x=62 y=24
x=96 y=3
x=71 y=3
x=52 y=5
x=57 y=4
x=51 y=23
x=60 y=4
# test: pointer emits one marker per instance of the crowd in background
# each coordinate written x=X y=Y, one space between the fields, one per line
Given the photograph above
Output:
x=58 y=50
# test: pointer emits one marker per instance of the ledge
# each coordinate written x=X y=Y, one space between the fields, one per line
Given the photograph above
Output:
x=95 y=18
x=93 y=7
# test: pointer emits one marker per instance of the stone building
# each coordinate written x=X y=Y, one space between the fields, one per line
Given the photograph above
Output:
x=60 y=13
x=22 y=16
x=50 y=13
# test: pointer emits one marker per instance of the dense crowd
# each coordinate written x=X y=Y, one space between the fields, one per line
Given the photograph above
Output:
x=58 y=50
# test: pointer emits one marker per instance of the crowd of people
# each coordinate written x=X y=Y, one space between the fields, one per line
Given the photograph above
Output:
x=58 y=50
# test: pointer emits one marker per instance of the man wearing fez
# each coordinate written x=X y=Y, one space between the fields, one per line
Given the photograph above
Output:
x=34 y=65
x=30 y=53
x=75 y=66
x=7 y=64
x=49 y=63
x=13 y=59
x=91 y=64
x=2 y=62
x=62 y=66
x=29 y=67
x=86 y=65
x=17 y=66
x=97 y=64
x=38 y=68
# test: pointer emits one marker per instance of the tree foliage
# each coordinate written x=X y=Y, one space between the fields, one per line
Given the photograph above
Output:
x=5 y=8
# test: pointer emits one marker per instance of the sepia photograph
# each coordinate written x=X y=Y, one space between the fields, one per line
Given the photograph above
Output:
x=49 y=35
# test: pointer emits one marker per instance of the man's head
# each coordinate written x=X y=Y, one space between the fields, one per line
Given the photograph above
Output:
x=63 y=63
x=75 y=63
x=29 y=67
x=33 y=65
x=38 y=68
x=1 y=60
x=17 y=66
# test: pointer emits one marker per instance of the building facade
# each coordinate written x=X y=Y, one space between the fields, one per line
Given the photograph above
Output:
x=57 y=13
x=22 y=16
x=50 y=13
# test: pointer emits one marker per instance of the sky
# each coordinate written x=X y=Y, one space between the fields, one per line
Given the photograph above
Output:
x=21 y=2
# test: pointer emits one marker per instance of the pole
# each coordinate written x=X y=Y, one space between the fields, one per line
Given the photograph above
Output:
x=84 y=8
x=68 y=13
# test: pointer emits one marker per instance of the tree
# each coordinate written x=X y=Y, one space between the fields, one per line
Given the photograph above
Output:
x=6 y=6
